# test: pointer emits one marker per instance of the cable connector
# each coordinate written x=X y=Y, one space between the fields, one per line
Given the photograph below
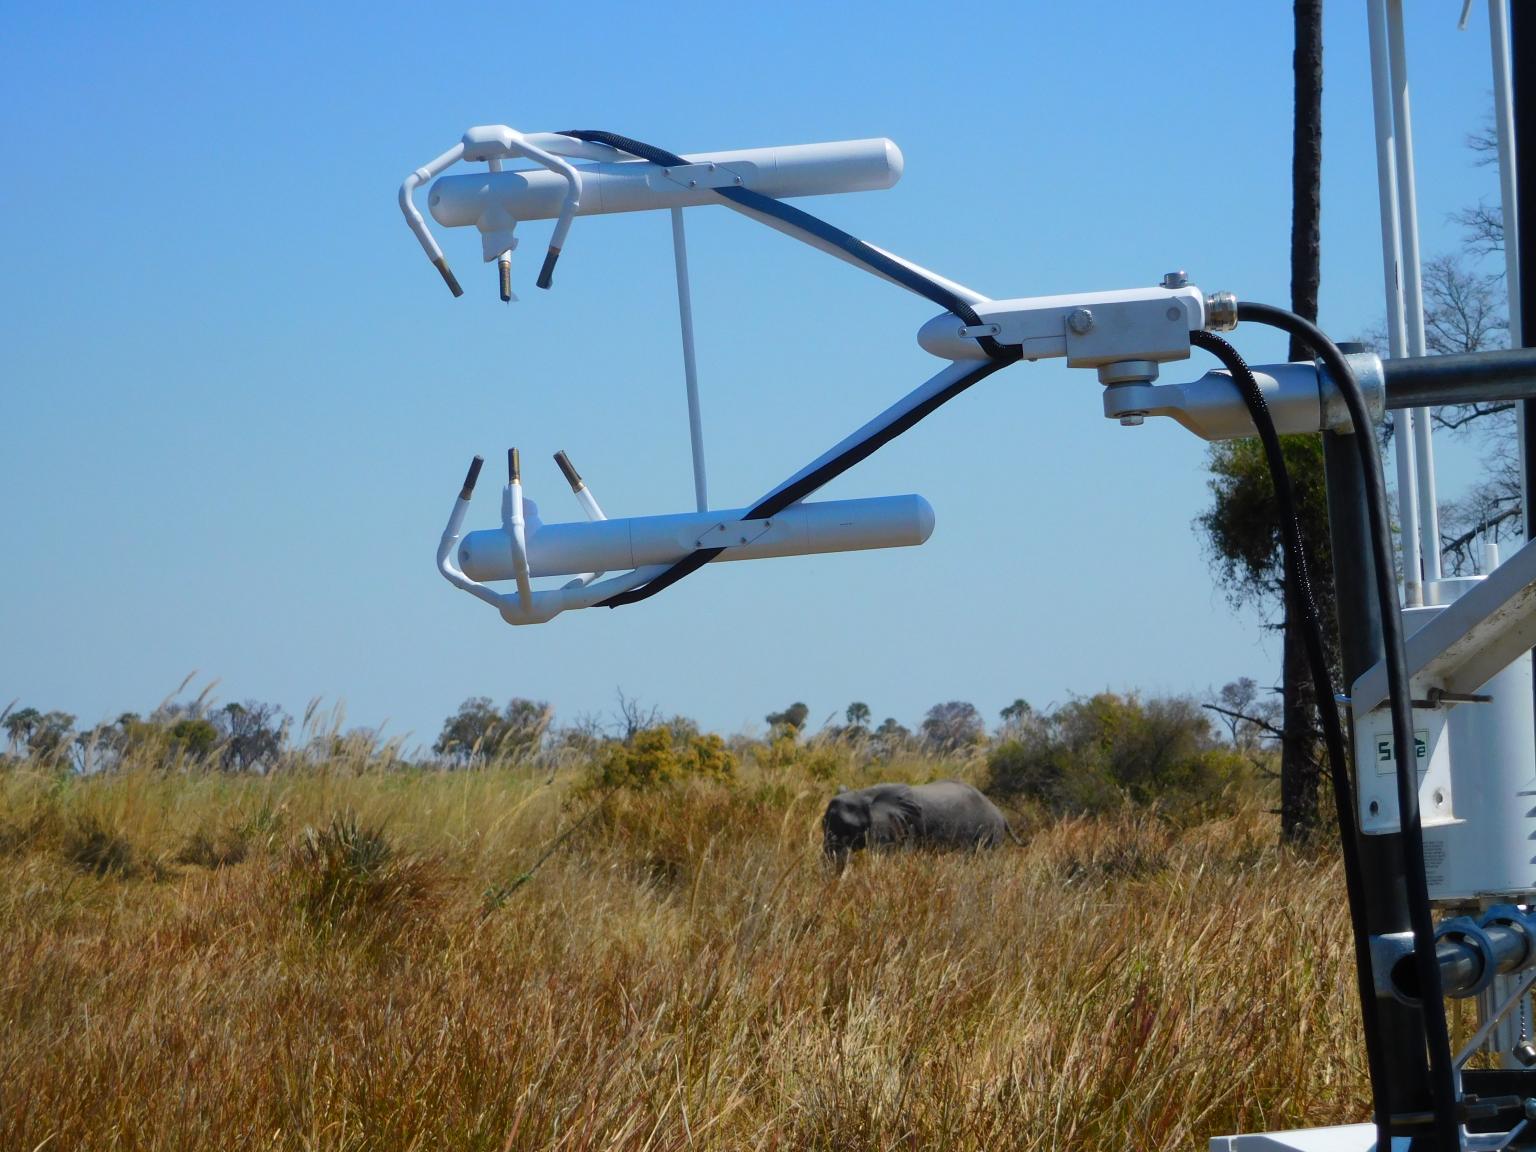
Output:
x=1221 y=312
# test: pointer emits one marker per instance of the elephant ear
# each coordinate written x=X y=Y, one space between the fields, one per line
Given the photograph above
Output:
x=894 y=816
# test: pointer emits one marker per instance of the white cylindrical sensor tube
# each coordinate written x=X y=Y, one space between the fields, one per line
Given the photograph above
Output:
x=633 y=542
x=633 y=186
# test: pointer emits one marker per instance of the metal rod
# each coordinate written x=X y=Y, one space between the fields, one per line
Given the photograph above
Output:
x=1386 y=184
x=1461 y=965
x=1465 y=378
x=1504 y=125
x=1413 y=288
x=1494 y=1016
x=690 y=366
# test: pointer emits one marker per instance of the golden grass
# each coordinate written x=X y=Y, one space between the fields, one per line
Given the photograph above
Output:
x=346 y=961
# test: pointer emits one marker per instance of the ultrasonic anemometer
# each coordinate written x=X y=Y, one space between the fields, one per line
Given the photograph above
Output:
x=1440 y=813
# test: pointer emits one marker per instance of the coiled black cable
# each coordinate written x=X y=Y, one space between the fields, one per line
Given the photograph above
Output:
x=1304 y=604
x=1436 y=1031
x=998 y=355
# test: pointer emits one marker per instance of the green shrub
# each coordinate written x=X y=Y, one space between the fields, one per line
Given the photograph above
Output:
x=214 y=848
x=1101 y=752
x=662 y=755
x=94 y=846
x=348 y=875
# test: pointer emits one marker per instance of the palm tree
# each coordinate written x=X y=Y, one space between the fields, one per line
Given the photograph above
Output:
x=20 y=725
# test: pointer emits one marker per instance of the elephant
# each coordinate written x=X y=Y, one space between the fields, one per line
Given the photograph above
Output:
x=946 y=814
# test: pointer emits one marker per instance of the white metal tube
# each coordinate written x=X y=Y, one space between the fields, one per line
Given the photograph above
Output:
x=445 y=550
x=1413 y=287
x=1504 y=126
x=562 y=167
x=1386 y=184
x=690 y=365
x=514 y=528
x=413 y=216
x=638 y=185
x=642 y=541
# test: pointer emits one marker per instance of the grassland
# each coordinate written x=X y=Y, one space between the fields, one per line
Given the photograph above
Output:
x=359 y=960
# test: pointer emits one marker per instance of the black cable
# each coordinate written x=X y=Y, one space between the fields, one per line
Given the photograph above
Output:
x=776 y=502
x=998 y=355
x=1304 y=604
x=871 y=258
x=1436 y=1031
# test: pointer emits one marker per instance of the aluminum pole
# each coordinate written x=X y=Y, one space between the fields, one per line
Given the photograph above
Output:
x=690 y=366
x=1386 y=184
x=1413 y=287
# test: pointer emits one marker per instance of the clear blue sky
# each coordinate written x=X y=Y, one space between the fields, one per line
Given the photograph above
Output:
x=236 y=402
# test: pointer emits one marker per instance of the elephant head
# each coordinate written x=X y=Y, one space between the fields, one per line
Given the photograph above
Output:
x=869 y=817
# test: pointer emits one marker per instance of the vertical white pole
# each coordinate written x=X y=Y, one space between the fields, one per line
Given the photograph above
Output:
x=1386 y=183
x=690 y=367
x=1504 y=125
x=1413 y=288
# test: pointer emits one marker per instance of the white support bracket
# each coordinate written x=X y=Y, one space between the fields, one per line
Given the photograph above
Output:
x=1468 y=643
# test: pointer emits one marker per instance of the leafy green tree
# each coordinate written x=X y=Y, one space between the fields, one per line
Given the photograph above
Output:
x=478 y=732
x=792 y=718
x=857 y=715
x=1242 y=533
x=254 y=734
x=194 y=737
x=891 y=738
x=954 y=727
x=1105 y=751
x=20 y=725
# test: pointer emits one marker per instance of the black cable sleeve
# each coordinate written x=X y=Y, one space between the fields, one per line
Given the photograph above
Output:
x=1305 y=604
x=1436 y=1030
x=998 y=354
x=775 y=503
x=847 y=242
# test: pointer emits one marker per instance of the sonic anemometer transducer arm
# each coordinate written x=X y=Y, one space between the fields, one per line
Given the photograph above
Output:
x=1125 y=334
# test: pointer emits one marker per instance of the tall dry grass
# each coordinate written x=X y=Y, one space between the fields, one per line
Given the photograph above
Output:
x=330 y=960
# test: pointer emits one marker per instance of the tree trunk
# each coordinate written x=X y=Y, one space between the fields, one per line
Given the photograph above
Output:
x=1300 y=773
x=1298 y=764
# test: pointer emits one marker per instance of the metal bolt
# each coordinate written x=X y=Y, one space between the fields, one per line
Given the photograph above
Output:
x=1133 y=419
x=693 y=183
x=738 y=179
x=1175 y=279
x=666 y=171
x=1080 y=320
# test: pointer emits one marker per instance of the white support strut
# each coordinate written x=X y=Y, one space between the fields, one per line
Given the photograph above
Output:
x=690 y=365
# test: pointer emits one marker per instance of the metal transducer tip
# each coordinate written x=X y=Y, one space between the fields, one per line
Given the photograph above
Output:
x=469 y=479
x=547 y=273
x=448 y=277
x=514 y=466
x=504 y=265
x=572 y=477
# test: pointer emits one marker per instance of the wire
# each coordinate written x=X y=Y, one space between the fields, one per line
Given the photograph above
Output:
x=871 y=258
x=1436 y=1031
x=998 y=355
x=1304 y=604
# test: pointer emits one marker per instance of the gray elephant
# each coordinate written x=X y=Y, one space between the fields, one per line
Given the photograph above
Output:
x=946 y=814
